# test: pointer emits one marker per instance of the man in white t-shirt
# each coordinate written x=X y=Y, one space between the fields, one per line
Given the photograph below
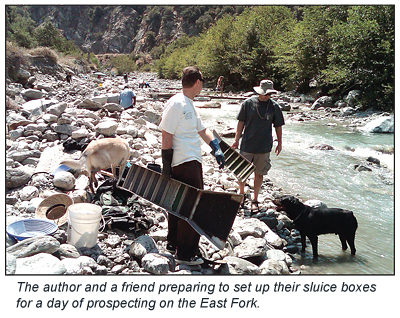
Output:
x=181 y=127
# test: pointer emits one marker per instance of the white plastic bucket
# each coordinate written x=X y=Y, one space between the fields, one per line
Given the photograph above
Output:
x=84 y=221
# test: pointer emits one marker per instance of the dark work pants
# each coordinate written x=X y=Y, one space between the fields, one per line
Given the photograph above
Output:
x=180 y=234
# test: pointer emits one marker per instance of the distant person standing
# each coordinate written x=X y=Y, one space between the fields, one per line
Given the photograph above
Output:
x=127 y=99
x=126 y=78
x=220 y=85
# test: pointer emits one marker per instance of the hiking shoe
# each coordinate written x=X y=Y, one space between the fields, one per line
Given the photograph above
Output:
x=193 y=261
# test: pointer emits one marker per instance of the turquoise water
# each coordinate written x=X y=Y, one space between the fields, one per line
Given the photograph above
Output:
x=330 y=176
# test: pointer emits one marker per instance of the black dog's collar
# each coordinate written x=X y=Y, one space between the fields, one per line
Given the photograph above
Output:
x=298 y=216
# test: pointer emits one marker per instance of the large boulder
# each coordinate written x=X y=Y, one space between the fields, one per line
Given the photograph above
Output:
x=41 y=263
x=384 y=124
x=16 y=177
x=324 y=101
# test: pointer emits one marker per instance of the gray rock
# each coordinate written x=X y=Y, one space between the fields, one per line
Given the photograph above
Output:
x=102 y=99
x=274 y=240
x=23 y=74
x=160 y=235
x=21 y=155
x=152 y=117
x=41 y=263
x=28 y=193
x=34 y=245
x=80 y=265
x=30 y=94
x=107 y=127
x=273 y=267
x=384 y=124
x=50 y=135
x=104 y=261
x=90 y=104
x=64 y=180
x=324 y=101
x=155 y=263
x=67 y=251
x=16 y=133
x=362 y=168
x=57 y=109
x=251 y=247
x=11 y=263
x=141 y=246
x=113 y=240
x=113 y=107
x=50 y=118
x=65 y=119
x=65 y=129
x=16 y=177
x=277 y=255
x=284 y=106
x=250 y=227
x=352 y=98
x=113 y=98
x=322 y=147
x=240 y=266
x=347 y=111
x=80 y=133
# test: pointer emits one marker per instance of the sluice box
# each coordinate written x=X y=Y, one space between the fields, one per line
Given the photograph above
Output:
x=210 y=213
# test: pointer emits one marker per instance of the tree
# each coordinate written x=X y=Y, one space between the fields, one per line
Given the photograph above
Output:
x=362 y=55
x=310 y=43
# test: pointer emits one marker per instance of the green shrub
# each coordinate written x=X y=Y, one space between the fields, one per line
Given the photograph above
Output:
x=123 y=63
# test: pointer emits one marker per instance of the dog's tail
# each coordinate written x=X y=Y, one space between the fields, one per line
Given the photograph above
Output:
x=75 y=164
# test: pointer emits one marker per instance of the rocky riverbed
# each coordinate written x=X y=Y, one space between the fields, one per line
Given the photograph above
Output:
x=55 y=119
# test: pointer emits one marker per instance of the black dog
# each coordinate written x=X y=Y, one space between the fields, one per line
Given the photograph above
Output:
x=312 y=222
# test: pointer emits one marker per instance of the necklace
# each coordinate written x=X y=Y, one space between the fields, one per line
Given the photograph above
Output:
x=266 y=112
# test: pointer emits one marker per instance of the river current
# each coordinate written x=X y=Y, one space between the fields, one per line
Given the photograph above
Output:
x=330 y=176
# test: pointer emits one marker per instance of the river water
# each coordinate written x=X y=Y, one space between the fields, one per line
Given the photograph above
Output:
x=330 y=176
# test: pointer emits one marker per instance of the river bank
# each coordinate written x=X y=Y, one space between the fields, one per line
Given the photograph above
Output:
x=265 y=243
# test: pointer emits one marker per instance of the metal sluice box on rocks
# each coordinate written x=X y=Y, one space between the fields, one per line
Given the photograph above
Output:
x=210 y=213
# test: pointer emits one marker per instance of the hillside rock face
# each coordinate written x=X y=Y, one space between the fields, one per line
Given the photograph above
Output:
x=124 y=29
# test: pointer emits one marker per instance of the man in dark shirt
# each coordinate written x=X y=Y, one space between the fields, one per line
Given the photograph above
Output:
x=256 y=117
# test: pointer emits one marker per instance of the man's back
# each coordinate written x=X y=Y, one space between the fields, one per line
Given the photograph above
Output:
x=126 y=98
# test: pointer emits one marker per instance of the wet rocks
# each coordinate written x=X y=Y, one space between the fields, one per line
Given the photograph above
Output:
x=384 y=124
x=324 y=101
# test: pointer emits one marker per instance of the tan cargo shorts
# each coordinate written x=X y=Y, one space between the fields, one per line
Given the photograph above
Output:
x=260 y=160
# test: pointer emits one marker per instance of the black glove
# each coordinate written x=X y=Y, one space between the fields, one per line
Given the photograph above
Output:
x=166 y=155
x=217 y=153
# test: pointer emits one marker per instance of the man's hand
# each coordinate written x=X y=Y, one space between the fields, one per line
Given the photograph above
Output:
x=235 y=144
x=278 y=148
x=217 y=153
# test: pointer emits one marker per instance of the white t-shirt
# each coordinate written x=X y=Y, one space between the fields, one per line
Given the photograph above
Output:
x=182 y=121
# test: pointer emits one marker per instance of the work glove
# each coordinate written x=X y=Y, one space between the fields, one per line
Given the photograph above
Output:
x=166 y=155
x=217 y=153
